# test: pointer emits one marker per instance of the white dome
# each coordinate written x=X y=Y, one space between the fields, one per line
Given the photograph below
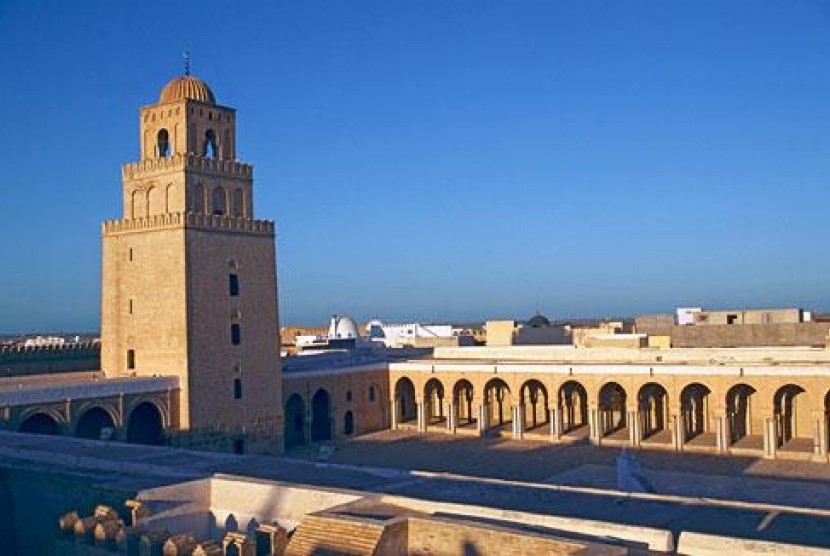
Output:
x=342 y=327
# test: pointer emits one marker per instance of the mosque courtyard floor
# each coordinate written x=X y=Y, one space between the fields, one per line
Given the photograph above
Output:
x=783 y=501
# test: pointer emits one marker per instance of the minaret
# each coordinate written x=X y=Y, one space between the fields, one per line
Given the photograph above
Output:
x=189 y=279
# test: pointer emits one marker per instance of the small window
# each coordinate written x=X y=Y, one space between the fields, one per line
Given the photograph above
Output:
x=237 y=388
x=236 y=335
x=130 y=255
x=238 y=446
x=131 y=359
x=348 y=395
x=233 y=285
x=131 y=306
x=348 y=424
x=731 y=319
x=371 y=393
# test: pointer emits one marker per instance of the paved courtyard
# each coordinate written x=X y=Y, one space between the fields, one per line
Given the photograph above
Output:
x=797 y=483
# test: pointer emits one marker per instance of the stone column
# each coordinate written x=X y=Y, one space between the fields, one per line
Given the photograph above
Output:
x=726 y=434
x=518 y=421
x=770 y=438
x=678 y=432
x=393 y=414
x=452 y=417
x=422 y=422
x=483 y=419
x=634 y=428
x=594 y=434
x=307 y=424
x=556 y=423
x=822 y=439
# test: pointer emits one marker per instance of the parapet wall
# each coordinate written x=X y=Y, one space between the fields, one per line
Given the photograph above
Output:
x=751 y=335
x=37 y=360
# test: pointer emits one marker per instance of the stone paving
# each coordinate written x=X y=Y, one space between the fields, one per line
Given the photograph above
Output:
x=529 y=460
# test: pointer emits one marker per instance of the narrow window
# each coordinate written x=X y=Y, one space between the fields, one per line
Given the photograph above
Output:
x=237 y=388
x=218 y=201
x=371 y=393
x=238 y=202
x=348 y=395
x=233 y=285
x=131 y=359
x=163 y=143
x=131 y=254
x=210 y=144
x=348 y=424
x=236 y=336
x=131 y=306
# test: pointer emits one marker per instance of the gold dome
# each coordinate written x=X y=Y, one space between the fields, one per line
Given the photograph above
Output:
x=187 y=86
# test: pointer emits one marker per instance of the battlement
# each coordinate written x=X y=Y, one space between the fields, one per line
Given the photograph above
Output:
x=187 y=162
x=190 y=220
x=94 y=346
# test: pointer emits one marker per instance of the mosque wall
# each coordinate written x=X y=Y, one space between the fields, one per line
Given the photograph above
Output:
x=317 y=405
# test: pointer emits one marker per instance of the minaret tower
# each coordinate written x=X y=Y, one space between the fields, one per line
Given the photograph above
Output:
x=189 y=280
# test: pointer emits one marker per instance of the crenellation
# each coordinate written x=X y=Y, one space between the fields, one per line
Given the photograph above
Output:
x=190 y=220
x=191 y=162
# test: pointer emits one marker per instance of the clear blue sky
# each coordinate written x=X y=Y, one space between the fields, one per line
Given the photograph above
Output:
x=443 y=160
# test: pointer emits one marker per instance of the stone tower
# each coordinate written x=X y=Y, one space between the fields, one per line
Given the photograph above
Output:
x=189 y=279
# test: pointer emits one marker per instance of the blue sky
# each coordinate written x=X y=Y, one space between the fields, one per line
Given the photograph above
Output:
x=442 y=160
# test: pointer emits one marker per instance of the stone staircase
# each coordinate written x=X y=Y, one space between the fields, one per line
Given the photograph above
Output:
x=324 y=535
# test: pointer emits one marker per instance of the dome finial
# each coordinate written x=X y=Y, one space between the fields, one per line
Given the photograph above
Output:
x=186 y=55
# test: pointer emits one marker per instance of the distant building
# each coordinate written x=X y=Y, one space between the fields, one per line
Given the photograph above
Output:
x=415 y=334
x=537 y=330
x=342 y=333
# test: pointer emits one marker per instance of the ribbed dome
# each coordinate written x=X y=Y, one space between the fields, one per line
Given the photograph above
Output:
x=187 y=86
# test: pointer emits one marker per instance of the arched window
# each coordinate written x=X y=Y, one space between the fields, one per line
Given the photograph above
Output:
x=210 y=144
x=163 y=143
x=238 y=202
x=218 y=201
x=199 y=199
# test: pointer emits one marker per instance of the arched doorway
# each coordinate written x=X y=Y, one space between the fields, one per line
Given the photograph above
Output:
x=612 y=418
x=40 y=423
x=462 y=395
x=321 y=416
x=434 y=402
x=573 y=402
x=499 y=403
x=792 y=418
x=145 y=425
x=94 y=424
x=653 y=407
x=694 y=411
x=405 y=408
x=348 y=424
x=739 y=415
x=533 y=398
x=295 y=421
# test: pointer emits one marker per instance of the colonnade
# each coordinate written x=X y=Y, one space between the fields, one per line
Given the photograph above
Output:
x=724 y=418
